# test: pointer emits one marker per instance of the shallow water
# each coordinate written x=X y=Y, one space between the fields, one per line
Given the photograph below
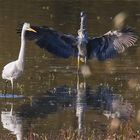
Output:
x=48 y=96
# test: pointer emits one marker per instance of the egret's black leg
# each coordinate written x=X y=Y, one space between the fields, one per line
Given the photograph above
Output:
x=12 y=83
x=13 y=91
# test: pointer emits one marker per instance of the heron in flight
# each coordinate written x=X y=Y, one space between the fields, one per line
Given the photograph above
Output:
x=63 y=45
x=14 y=69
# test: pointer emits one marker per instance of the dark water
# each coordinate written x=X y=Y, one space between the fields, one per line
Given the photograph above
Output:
x=48 y=95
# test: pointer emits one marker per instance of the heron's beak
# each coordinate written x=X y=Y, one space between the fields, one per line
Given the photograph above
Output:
x=32 y=30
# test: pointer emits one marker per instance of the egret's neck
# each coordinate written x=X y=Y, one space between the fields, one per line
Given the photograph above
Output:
x=22 y=48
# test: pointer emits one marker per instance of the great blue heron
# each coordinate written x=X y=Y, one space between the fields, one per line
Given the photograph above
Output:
x=14 y=69
x=82 y=40
x=65 y=45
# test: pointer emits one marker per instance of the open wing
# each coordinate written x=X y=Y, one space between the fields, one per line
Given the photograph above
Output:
x=111 y=44
x=53 y=41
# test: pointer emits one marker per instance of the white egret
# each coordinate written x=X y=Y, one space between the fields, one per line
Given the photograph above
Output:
x=14 y=69
x=13 y=122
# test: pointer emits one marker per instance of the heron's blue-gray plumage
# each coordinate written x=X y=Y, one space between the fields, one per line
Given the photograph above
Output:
x=111 y=44
x=101 y=48
x=54 y=42
x=104 y=47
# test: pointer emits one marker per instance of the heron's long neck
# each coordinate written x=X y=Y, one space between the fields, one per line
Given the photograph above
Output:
x=83 y=23
x=22 y=48
x=83 y=35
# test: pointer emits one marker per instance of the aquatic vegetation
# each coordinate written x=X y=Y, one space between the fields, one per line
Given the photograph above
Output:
x=124 y=132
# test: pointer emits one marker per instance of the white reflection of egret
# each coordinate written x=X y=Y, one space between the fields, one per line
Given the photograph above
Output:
x=15 y=68
x=12 y=122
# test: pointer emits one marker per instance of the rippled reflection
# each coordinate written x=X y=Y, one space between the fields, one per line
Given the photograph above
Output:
x=12 y=122
x=80 y=103
x=82 y=97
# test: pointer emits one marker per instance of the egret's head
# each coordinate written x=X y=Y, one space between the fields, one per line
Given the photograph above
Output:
x=26 y=26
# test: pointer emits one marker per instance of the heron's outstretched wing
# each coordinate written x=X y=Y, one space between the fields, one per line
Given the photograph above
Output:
x=53 y=41
x=111 y=44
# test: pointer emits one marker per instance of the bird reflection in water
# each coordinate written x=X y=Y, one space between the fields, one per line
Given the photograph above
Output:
x=102 y=99
x=119 y=108
x=12 y=122
x=119 y=112
x=80 y=103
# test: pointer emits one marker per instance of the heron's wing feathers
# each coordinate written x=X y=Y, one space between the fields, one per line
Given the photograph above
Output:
x=122 y=39
x=55 y=42
x=111 y=44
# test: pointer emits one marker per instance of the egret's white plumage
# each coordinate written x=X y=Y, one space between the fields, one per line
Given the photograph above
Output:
x=12 y=122
x=14 y=69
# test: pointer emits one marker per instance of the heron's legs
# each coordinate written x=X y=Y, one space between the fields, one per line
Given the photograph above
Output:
x=85 y=59
x=78 y=63
x=84 y=82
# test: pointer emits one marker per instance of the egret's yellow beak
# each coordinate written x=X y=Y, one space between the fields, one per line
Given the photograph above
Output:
x=32 y=30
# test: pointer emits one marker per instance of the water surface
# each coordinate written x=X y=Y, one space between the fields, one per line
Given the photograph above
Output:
x=52 y=96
